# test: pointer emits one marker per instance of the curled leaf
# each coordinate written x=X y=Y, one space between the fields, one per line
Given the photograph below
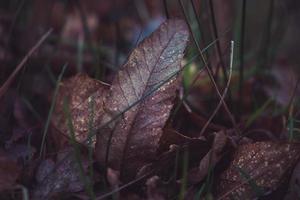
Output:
x=85 y=96
x=133 y=139
x=210 y=160
x=258 y=169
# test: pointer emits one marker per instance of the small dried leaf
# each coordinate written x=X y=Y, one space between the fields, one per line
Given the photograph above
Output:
x=64 y=179
x=210 y=160
x=260 y=167
x=136 y=135
x=85 y=97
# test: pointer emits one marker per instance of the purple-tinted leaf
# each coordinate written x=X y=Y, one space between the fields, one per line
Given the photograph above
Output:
x=64 y=179
x=136 y=134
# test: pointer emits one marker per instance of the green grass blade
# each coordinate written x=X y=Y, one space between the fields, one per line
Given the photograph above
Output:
x=255 y=188
x=86 y=180
x=258 y=112
x=184 y=175
x=51 y=109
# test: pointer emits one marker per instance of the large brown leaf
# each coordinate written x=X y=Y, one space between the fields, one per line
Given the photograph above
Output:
x=135 y=136
x=258 y=169
x=85 y=97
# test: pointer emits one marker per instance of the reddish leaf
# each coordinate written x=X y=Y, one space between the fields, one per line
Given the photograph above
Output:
x=82 y=93
x=258 y=168
x=136 y=135
x=9 y=171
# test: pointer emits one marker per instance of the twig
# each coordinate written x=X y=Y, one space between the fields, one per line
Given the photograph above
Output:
x=187 y=91
x=210 y=74
x=9 y=81
x=224 y=93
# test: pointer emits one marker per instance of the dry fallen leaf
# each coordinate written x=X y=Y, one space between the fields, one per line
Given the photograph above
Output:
x=85 y=97
x=63 y=179
x=210 y=160
x=134 y=138
x=258 y=169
